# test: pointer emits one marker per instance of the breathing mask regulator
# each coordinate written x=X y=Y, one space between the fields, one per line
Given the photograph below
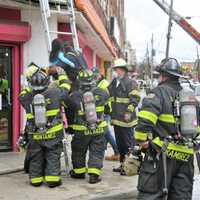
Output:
x=186 y=111
x=87 y=83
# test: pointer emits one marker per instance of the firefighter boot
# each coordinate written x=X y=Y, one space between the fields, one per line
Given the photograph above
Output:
x=94 y=178
x=54 y=184
x=122 y=172
x=78 y=176
x=118 y=169
x=36 y=184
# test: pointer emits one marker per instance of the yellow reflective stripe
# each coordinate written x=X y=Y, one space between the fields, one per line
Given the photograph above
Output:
x=37 y=180
x=131 y=108
x=52 y=178
x=80 y=112
x=55 y=128
x=65 y=85
x=124 y=124
x=94 y=171
x=103 y=84
x=172 y=146
x=22 y=92
x=49 y=113
x=140 y=135
x=25 y=91
x=50 y=134
x=102 y=124
x=100 y=108
x=111 y=99
x=29 y=116
x=46 y=136
x=148 y=115
x=52 y=112
x=62 y=77
x=79 y=127
x=198 y=129
x=134 y=92
x=121 y=100
x=80 y=170
x=167 y=118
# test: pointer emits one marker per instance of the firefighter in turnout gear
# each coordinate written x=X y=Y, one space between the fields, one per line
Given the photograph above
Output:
x=44 y=124
x=167 y=154
x=87 y=124
x=103 y=84
x=124 y=98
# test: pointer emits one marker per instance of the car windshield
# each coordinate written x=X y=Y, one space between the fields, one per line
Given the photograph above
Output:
x=197 y=91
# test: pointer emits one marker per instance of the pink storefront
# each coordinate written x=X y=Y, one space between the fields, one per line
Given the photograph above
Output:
x=13 y=33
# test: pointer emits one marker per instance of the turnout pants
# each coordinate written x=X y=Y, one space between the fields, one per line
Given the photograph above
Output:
x=96 y=146
x=124 y=140
x=44 y=163
x=179 y=177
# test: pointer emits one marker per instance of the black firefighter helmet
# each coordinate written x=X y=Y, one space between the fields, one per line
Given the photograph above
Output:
x=170 y=66
x=39 y=81
x=86 y=79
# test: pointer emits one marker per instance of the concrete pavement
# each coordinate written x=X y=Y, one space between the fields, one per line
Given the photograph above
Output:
x=113 y=186
x=16 y=185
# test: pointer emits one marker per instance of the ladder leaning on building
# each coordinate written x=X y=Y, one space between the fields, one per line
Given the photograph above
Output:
x=69 y=11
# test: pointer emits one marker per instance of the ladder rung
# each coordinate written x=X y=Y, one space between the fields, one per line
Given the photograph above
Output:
x=62 y=33
x=61 y=12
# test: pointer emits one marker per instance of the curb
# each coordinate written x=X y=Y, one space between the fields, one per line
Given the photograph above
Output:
x=11 y=171
x=130 y=194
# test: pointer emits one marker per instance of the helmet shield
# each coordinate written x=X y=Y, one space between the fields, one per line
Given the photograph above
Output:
x=39 y=80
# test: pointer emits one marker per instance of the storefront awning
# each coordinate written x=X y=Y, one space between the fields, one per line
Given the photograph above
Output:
x=86 y=7
x=14 y=31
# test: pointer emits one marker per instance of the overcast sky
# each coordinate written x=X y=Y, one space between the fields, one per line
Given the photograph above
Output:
x=144 y=17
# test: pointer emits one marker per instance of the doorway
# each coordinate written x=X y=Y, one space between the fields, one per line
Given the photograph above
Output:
x=5 y=98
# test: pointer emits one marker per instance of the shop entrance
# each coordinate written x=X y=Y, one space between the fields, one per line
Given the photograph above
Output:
x=5 y=98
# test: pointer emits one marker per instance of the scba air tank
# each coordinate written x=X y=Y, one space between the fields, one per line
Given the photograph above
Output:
x=188 y=113
x=39 y=111
x=90 y=109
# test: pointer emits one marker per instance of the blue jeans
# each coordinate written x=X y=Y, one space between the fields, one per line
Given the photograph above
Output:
x=111 y=140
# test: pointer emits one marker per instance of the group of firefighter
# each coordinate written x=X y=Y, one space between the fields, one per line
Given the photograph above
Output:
x=161 y=138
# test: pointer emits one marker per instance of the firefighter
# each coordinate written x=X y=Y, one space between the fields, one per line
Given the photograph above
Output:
x=167 y=167
x=124 y=99
x=103 y=84
x=44 y=124
x=87 y=124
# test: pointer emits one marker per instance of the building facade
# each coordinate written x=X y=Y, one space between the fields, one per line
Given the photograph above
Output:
x=23 y=40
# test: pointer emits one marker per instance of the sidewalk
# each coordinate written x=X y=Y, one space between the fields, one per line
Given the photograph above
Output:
x=112 y=186
x=11 y=162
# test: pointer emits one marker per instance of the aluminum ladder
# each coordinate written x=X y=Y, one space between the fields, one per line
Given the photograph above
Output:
x=46 y=14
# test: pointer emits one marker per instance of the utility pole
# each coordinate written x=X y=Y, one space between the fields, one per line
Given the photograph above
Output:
x=198 y=66
x=152 y=60
x=169 y=29
x=147 y=67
